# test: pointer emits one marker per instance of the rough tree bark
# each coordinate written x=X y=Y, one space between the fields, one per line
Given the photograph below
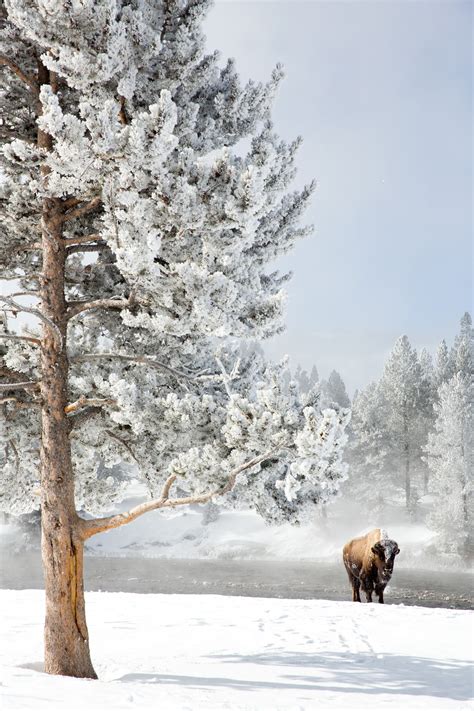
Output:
x=66 y=640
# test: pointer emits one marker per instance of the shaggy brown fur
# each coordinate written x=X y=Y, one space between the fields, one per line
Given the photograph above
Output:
x=369 y=563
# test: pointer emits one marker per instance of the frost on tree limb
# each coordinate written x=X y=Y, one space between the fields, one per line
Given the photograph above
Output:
x=26 y=385
x=92 y=527
x=75 y=308
x=139 y=360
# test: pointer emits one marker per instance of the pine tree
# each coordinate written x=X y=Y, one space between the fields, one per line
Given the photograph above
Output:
x=443 y=369
x=427 y=397
x=138 y=240
x=333 y=391
x=369 y=483
x=463 y=349
x=401 y=388
x=450 y=458
x=313 y=377
x=302 y=378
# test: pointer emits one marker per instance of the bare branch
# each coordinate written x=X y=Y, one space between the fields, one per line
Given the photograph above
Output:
x=167 y=487
x=71 y=202
x=88 y=402
x=18 y=277
x=77 y=307
x=123 y=443
x=86 y=248
x=25 y=293
x=19 y=404
x=14 y=337
x=22 y=386
x=99 y=525
x=76 y=419
x=81 y=240
x=140 y=360
x=19 y=307
x=11 y=444
x=6 y=62
x=82 y=210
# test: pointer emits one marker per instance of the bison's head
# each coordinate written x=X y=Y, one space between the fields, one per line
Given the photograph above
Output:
x=384 y=557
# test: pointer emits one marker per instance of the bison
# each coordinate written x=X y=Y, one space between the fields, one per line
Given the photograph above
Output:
x=369 y=563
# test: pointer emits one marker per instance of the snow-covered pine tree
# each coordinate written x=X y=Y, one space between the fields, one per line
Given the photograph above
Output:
x=313 y=377
x=302 y=378
x=401 y=389
x=450 y=457
x=369 y=483
x=427 y=397
x=443 y=369
x=333 y=390
x=462 y=353
x=139 y=240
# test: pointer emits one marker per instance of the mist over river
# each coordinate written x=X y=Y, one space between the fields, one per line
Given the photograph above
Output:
x=250 y=578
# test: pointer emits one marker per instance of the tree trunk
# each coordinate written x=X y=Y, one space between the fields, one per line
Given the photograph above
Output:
x=426 y=480
x=406 y=450
x=66 y=638
x=407 y=478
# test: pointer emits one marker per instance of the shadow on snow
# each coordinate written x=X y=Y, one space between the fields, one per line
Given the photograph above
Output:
x=337 y=672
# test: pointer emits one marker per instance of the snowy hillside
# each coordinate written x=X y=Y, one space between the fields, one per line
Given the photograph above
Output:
x=203 y=653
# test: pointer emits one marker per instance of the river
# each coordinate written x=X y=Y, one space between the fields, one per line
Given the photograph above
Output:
x=301 y=579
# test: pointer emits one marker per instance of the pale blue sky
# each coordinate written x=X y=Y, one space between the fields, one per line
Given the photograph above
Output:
x=381 y=92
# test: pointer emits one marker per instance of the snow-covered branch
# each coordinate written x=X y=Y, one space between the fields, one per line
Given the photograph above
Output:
x=99 y=525
x=140 y=360
x=78 y=307
x=26 y=385
x=19 y=403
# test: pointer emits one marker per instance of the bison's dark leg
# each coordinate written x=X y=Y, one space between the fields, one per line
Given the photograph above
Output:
x=355 y=582
x=367 y=587
x=379 y=592
x=355 y=590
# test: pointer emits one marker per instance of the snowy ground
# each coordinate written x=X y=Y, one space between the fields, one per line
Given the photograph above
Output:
x=209 y=652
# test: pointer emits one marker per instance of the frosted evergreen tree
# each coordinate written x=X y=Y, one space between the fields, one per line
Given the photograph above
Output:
x=302 y=378
x=139 y=241
x=426 y=366
x=463 y=349
x=313 y=377
x=443 y=366
x=305 y=382
x=427 y=397
x=451 y=461
x=369 y=483
x=401 y=388
x=333 y=391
